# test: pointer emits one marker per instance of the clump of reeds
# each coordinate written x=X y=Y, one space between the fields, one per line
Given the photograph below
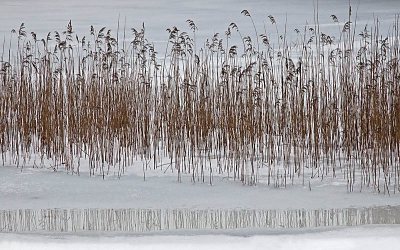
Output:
x=314 y=107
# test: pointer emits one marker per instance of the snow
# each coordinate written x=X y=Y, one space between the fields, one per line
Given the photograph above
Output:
x=41 y=200
x=43 y=188
x=371 y=237
x=32 y=188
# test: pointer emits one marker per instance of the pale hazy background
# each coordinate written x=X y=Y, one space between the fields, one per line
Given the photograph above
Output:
x=209 y=15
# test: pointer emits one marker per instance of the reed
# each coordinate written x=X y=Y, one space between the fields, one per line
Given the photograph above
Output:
x=317 y=106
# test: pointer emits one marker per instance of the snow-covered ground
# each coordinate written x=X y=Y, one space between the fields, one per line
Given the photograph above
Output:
x=43 y=188
x=371 y=237
x=32 y=188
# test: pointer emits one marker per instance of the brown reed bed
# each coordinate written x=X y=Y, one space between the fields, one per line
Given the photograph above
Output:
x=317 y=106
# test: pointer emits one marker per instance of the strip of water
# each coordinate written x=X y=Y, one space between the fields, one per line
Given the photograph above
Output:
x=146 y=220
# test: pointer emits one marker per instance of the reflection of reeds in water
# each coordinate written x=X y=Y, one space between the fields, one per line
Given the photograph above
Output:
x=315 y=105
x=146 y=220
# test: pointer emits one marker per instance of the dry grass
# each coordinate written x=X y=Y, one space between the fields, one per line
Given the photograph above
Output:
x=320 y=105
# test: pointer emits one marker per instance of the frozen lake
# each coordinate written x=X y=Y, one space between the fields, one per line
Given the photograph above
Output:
x=35 y=190
x=350 y=238
x=209 y=16
x=368 y=238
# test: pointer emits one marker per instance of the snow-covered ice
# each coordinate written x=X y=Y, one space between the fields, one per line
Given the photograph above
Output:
x=371 y=237
x=32 y=188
